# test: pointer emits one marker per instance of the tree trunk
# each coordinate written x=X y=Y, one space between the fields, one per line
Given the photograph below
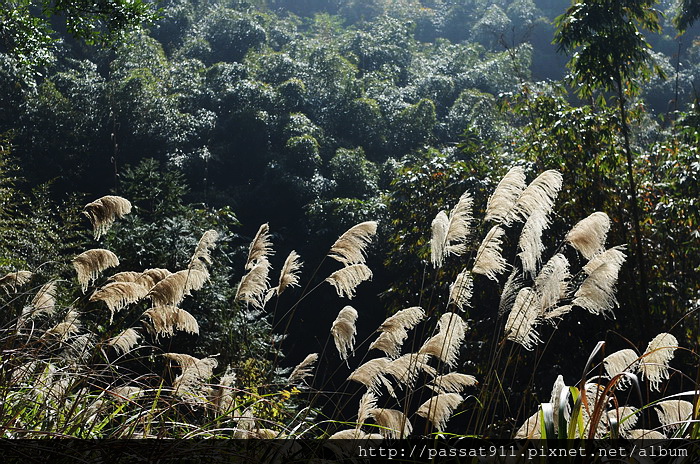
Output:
x=643 y=284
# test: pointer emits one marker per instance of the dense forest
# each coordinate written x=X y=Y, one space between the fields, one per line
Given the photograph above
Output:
x=498 y=199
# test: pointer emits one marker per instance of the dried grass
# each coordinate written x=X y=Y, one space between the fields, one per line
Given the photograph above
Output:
x=90 y=264
x=350 y=247
x=103 y=212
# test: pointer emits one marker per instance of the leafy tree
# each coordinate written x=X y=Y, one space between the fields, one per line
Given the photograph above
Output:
x=688 y=13
x=612 y=54
x=27 y=26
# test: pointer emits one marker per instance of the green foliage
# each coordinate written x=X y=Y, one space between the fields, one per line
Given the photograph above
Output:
x=609 y=47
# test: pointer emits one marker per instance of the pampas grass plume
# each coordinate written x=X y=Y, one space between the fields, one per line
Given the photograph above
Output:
x=344 y=331
x=103 y=211
x=348 y=278
x=438 y=409
x=350 y=247
x=89 y=264
x=589 y=235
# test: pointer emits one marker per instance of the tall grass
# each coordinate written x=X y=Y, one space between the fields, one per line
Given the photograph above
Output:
x=99 y=364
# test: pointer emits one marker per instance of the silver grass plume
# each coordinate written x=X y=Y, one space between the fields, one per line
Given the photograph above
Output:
x=504 y=196
x=126 y=393
x=125 y=341
x=225 y=397
x=44 y=302
x=520 y=326
x=164 y=320
x=89 y=264
x=394 y=423
x=619 y=362
x=459 y=226
x=150 y=277
x=530 y=429
x=674 y=413
x=70 y=325
x=589 y=235
x=119 y=294
x=439 y=408
x=189 y=385
x=103 y=211
x=553 y=315
x=510 y=291
x=125 y=276
x=597 y=292
x=614 y=255
x=644 y=434
x=539 y=195
x=446 y=344
x=344 y=331
x=350 y=247
x=10 y=282
x=348 y=278
x=172 y=289
x=626 y=418
x=201 y=258
x=555 y=400
x=254 y=284
x=367 y=403
x=461 y=290
x=654 y=363
x=260 y=247
x=394 y=330
x=453 y=382
x=530 y=242
x=489 y=261
x=289 y=275
x=551 y=284
x=303 y=369
x=354 y=434
x=372 y=375
x=438 y=238
x=406 y=368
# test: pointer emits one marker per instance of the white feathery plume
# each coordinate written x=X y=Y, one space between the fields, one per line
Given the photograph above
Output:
x=367 y=403
x=510 y=291
x=118 y=295
x=530 y=430
x=44 y=302
x=459 y=226
x=439 y=408
x=553 y=315
x=530 y=242
x=344 y=331
x=520 y=326
x=626 y=418
x=125 y=276
x=125 y=341
x=551 y=284
x=674 y=413
x=654 y=363
x=589 y=235
x=452 y=383
x=406 y=368
x=489 y=261
x=150 y=277
x=371 y=375
x=89 y=264
x=621 y=361
x=445 y=345
x=394 y=330
x=14 y=279
x=461 y=289
x=202 y=253
x=260 y=247
x=255 y=283
x=504 y=196
x=350 y=247
x=644 y=434
x=190 y=384
x=597 y=292
x=69 y=326
x=394 y=423
x=539 y=195
x=289 y=275
x=172 y=289
x=348 y=278
x=555 y=399
x=438 y=238
x=103 y=211
x=353 y=434
x=614 y=256
x=303 y=369
x=125 y=393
